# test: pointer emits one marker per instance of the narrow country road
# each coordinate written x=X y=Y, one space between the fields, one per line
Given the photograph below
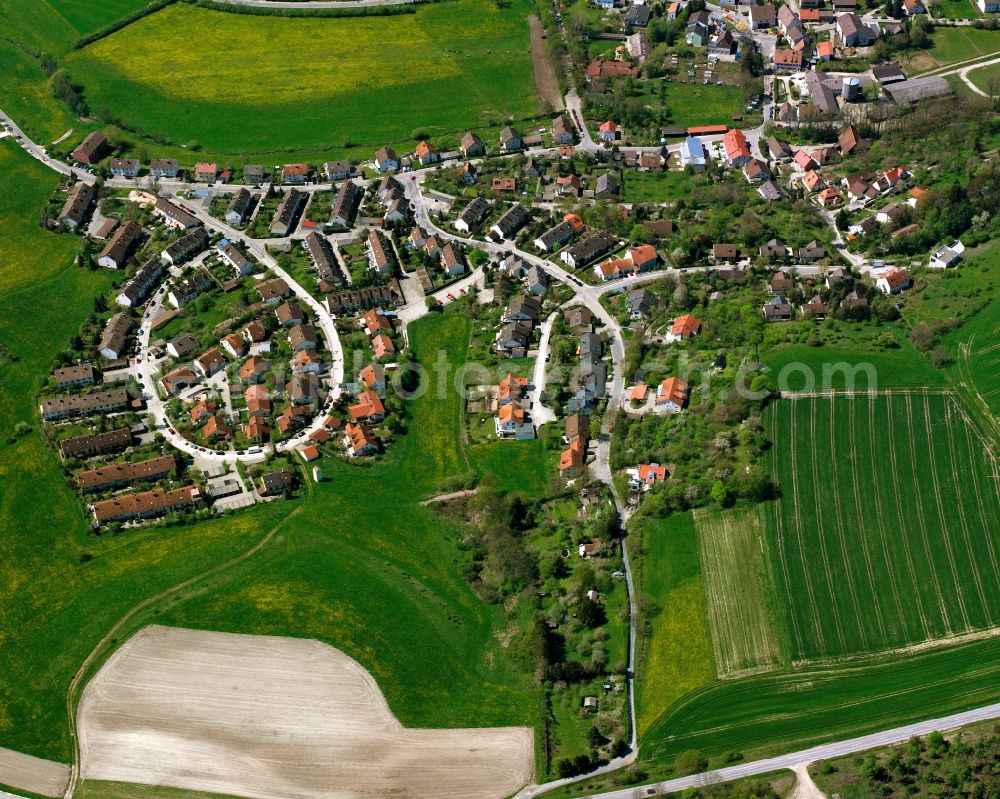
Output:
x=793 y=759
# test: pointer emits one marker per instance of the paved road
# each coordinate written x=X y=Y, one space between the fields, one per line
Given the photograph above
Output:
x=38 y=152
x=793 y=759
x=539 y=413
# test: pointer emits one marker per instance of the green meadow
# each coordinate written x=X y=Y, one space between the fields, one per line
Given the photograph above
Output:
x=278 y=84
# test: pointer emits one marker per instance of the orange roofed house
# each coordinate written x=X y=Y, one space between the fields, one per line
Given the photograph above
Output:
x=369 y=408
x=684 y=326
x=646 y=475
x=672 y=395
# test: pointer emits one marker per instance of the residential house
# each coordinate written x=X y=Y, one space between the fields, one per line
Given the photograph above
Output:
x=187 y=289
x=587 y=249
x=947 y=255
x=607 y=185
x=79 y=199
x=342 y=169
x=536 y=281
x=736 y=149
x=324 y=261
x=569 y=185
x=239 y=207
x=74 y=376
x=205 y=172
x=179 y=379
x=164 y=168
x=787 y=60
x=508 y=225
x=372 y=377
x=693 y=154
x=209 y=362
x=287 y=214
x=555 y=237
x=381 y=254
x=472 y=216
x=637 y=16
x=368 y=409
x=95 y=444
x=124 y=167
x=672 y=395
x=468 y=174
x=360 y=440
x=137 y=288
x=386 y=160
x=181 y=346
x=640 y=302
x=452 y=260
x=504 y=185
x=472 y=146
x=112 y=343
x=698 y=28
x=145 y=504
x=725 y=253
x=233 y=257
x=756 y=171
x=763 y=16
x=426 y=154
x=273 y=291
x=513 y=338
x=893 y=281
x=303 y=337
x=847 y=140
x=102 y=402
x=510 y=140
x=781 y=283
x=609 y=132
x=816 y=308
x=644 y=257
x=120 y=246
x=562 y=131
x=777 y=309
x=185 y=247
x=646 y=475
x=253 y=371
x=684 y=326
x=234 y=345
x=774 y=249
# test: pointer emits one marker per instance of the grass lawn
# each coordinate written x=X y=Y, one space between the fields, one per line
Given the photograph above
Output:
x=801 y=363
x=30 y=255
x=363 y=80
x=959 y=44
x=956 y=9
x=983 y=77
x=654 y=187
x=863 y=568
x=676 y=655
x=697 y=104
x=27 y=98
x=521 y=466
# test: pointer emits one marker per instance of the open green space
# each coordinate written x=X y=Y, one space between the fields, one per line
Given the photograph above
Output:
x=53 y=26
x=697 y=104
x=30 y=256
x=986 y=78
x=365 y=568
x=340 y=81
x=654 y=187
x=27 y=98
x=955 y=9
x=675 y=654
x=521 y=466
x=959 y=44
x=889 y=537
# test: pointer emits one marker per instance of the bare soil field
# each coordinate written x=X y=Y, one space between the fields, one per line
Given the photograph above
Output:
x=32 y=774
x=265 y=717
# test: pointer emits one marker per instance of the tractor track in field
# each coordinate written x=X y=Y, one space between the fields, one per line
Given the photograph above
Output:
x=899 y=509
x=857 y=493
x=939 y=504
x=963 y=521
x=821 y=530
x=923 y=525
x=845 y=551
x=793 y=441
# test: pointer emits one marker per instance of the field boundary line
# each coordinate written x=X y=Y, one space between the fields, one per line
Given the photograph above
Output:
x=793 y=439
x=939 y=504
x=962 y=520
x=923 y=523
x=851 y=420
x=81 y=673
x=899 y=505
x=866 y=392
x=880 y=522
x=862 y=660
x=820 y=528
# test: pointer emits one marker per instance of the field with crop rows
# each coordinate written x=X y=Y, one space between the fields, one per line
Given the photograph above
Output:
x=746 y=633
x=886 y=533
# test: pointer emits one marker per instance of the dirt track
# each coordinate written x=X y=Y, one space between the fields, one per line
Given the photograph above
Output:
x=546 y=82
x=32 y=774
x=276 y=717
